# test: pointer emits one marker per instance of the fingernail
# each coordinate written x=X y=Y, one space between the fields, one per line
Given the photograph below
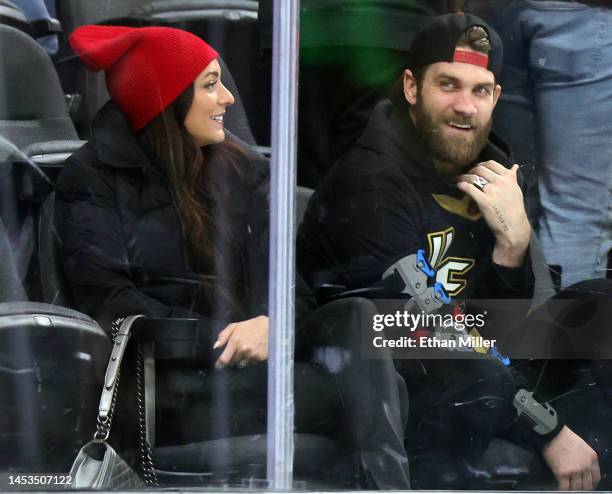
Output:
x=216 y=345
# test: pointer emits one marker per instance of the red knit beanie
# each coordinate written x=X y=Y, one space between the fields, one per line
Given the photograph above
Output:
x=146 y=68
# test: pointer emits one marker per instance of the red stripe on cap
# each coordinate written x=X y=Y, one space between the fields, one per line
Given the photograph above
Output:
x=472 y=57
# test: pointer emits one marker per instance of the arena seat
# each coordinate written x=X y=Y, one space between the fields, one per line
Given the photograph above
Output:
x=50 y=377
x=75 y=13
x=32 y=104
x=33 y=112
x=50 y=374
x=36 y=135
x=11 y=15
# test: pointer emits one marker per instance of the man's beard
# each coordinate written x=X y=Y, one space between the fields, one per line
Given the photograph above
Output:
x=454 y=152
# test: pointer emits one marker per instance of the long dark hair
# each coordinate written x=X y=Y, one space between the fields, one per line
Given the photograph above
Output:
x=189 y=170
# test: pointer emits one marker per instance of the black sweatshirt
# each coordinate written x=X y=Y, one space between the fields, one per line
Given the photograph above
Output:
x=384 y=201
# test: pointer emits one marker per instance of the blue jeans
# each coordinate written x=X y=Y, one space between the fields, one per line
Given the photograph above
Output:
x=35 y=10
x=565 y=50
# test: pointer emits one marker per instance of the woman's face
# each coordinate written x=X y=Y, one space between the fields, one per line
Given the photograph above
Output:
x=204 y=120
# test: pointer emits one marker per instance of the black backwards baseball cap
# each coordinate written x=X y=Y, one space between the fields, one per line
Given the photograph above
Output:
x=437 y=41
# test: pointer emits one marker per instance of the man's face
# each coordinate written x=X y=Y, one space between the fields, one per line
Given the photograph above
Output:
x=452 y=112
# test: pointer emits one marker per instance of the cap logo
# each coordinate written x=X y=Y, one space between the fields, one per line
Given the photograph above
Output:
x=471 y=57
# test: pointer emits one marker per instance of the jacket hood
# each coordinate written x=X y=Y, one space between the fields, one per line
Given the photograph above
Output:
x=114 y=141
x=391 y=133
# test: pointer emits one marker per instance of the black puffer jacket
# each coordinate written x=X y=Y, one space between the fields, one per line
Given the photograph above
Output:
x=121 y=235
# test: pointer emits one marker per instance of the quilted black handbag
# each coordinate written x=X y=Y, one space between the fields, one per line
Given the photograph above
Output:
x=98 y=465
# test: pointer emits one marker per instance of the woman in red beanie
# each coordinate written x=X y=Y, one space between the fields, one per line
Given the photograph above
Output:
x=160 y=214
x=156 y=212
x=164 y=213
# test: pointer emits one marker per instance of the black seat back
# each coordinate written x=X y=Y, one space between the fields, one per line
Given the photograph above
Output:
x=51 y=373
x=50 y=380
x=22 y=187
x=32 y=103
x=50 y=376
x=75 y=13
x=55 y=288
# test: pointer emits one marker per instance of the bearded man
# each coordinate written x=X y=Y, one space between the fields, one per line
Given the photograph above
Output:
x=428 y=174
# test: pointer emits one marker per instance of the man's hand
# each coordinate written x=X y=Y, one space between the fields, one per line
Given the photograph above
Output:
x=572 y=461
x=245 y=340
x=501 y=204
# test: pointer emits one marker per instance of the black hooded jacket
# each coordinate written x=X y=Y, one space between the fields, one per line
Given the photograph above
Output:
x=122 y=242
x=384 y=201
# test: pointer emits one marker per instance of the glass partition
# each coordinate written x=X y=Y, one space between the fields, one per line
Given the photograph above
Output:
x=136 y=182
x=317 y=245
x=456 y=251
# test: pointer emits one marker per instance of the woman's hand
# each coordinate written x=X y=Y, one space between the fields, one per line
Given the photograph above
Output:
x=245 y=340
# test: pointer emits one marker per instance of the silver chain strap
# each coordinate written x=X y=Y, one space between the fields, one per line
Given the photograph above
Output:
x=146 y=455
x=103 y=425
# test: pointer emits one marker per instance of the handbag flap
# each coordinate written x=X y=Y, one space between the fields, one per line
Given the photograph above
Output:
x=98 y=466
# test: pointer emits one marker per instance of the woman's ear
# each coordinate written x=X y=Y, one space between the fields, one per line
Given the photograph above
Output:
x=410 y=87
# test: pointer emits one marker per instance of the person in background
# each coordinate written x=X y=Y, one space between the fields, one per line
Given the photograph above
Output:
x=564 y=48
x=36 y=10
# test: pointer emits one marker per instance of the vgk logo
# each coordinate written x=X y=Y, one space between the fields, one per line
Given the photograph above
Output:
x=449 y=270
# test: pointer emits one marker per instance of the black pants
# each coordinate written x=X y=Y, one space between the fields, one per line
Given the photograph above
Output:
x=374 y=398
x=336 y=393
x=205 y=405
x=458 y=406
